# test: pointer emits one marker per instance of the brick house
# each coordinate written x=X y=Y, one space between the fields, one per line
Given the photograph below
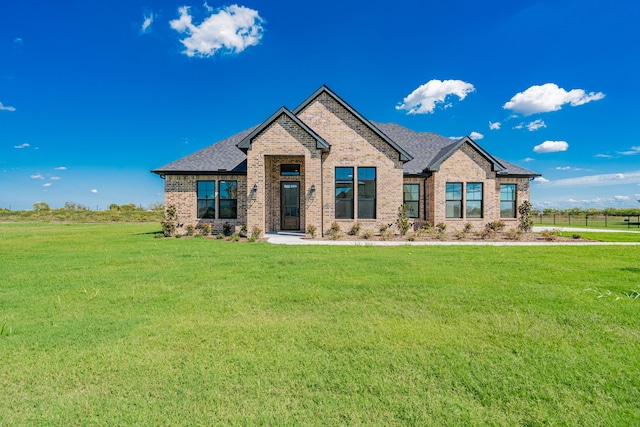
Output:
x=324 y=162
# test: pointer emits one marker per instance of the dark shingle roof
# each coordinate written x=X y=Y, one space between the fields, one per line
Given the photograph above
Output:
x=219 y=157
x=426 y=148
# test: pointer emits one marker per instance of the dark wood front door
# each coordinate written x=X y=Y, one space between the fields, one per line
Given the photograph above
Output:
x=290 y=205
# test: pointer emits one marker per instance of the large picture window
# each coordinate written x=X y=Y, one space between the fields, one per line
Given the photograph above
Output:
x=344 y=193
x=366 y=193
x=206 y=199
x=228 y=199
x=411 y=199
x=454 y=200
x=507 y=200
x=474 y=200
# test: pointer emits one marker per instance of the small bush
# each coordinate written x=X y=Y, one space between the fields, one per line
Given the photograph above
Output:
x=402 y=222
x=256 y=232
x=514 y=234
x=335 y=234
x=205 y=229
x=441 y=235
x=178 y=235
x=355 y=229
x=411 y=236
x=243 y=230
x=383 y=228
x=368 y=234
x=460 y=235
x=576 y=236
x=496 y=226
x=486 y=234
x=387 y=234
x=226 y=229
x=335 y=227
x=235 y=237
x=220 y=236
x=426 y=225
x=311 y=231
x=549 y=235
x=190 y=230
x=441 y=227
x=198 y=235
x=467 y=227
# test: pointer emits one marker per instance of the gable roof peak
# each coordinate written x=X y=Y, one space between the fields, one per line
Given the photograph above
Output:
x=245 y=143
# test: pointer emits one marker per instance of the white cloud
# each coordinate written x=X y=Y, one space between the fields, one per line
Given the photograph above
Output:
x=622 y=198
x=6 y=107
x=232 y=28
x=476 y=136
x=37 y=176
x=541 y=180
x=599 y=180
x=455 y=138
x=548 y=97
x=528 y=159
x=17 y=40
x=631 y=152
x=535 y=125
x=47 y=184
x=209 y=8
x=61 y=168
x=54 y=178
x=519 y=126
x=424 y=99
x=563 y=168
x=604 y=156
x=148 y=20
x=21 y=146
x=551 y=147
x=94 y=191
x=495 y=125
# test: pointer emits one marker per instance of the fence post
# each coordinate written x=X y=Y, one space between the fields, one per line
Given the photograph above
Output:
x=586 y=220
x=605 y=221
x=569 y=216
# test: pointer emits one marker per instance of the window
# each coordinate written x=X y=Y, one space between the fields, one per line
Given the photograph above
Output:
x=289 y=170
x=454 y=200
x=366 y=193
x=206 y=199
x=507 y=200
x=228 y=199
x=474 y=200
x=344 y=193
x=411 y=199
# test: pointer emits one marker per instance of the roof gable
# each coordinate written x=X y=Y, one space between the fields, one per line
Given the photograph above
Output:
x=496 y=166
x=403 y=154
x=245 y=144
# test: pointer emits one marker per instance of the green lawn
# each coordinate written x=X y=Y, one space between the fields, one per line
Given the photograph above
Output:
x=102 y=324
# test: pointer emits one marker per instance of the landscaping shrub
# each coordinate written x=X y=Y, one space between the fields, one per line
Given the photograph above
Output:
x=525 y=222
x=514 y=234
x=255 y=234
x=368 y=234
x=441 y=226
x=220 y=236
x=243 y=230
x=226 y=229
x=311 y=230
x=496 y=226
x=170 y=219
x=205 y=229
x=355 y=229
x=190 y=229
x=387 y=234
x=335 y=227
x=402 y=222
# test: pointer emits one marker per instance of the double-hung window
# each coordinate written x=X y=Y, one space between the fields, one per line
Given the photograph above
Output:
x=366 y=193
x=411 y=199
x=507 y=200
x=344 y=193
x=206 y=199
x=454 y=200
x=228 y=199
x=474 y=200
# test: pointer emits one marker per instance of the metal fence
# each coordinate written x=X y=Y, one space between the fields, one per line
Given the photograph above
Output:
x=595 y=221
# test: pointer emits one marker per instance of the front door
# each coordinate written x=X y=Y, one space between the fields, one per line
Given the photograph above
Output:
x=290 y=205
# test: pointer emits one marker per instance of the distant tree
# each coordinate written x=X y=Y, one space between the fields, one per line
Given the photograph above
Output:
x=114 y=207
x=41 y=206
x=156 y=207
x=73 y=206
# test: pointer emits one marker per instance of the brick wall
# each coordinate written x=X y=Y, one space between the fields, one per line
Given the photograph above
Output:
x=353 y=144
x=182 y=191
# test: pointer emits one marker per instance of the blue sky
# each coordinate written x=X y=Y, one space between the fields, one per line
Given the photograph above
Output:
x=94 y=95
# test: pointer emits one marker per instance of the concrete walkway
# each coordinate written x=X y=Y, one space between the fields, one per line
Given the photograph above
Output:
x=292 y=238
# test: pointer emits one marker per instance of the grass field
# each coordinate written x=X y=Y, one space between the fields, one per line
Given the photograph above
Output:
x=104 y=325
